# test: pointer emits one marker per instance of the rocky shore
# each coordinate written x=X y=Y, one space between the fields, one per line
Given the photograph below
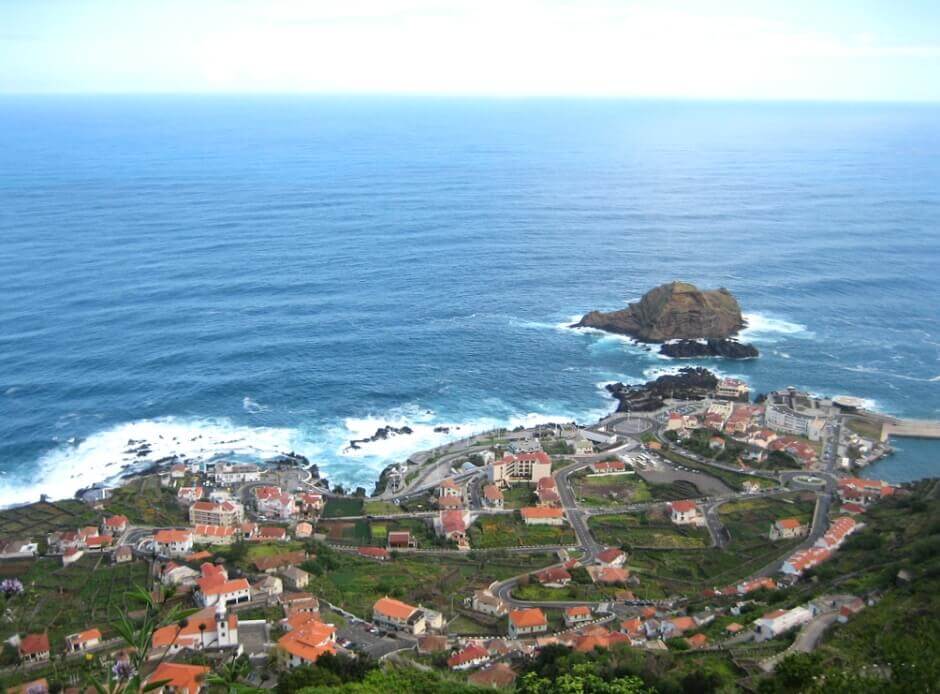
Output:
x=688 y=349
x=688 y=384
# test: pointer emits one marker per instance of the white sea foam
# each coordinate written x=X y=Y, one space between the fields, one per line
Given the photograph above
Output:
x=107 y=455
x=762 y=327
x=252 y=406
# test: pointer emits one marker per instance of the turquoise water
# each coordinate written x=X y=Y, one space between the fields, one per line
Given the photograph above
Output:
x=236 y=277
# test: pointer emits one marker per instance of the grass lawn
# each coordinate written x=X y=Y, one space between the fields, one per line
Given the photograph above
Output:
x=610 y=490
x=337 y=508
x=490 y=532
x=638 y=530
x=518 y=496
x=69 y=599
x=573 y=591
x=352 y=532
x=380 y=508
x=465 y=624
x=355 y=583
x=37 y=519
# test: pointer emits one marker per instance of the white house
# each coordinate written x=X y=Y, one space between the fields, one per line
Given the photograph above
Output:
x=230 y=592
x=526 y=622
x=778 y=622
x=173 y=543
x=684 y=512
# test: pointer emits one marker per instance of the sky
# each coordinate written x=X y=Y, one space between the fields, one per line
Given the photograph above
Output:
x=870 y=50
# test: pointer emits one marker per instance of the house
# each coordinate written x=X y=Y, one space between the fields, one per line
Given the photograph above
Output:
x=177 y=471
x=400 y=539
x=432 y=643
x=608 y=575
x=536 y=515
x=716 y=443
x=805 y=559
x=487 y=603
x=523 y=467
x=304 y=644
x=850 y=609
x=787 y=529
x=453 y=525
x=498 y=676
x=581 y=446
x=303 y=529
x=527 y=621
x=633 y=628
x=684 y=512
x=270 y=533
x=762 y=438
x=299 y=603
x=174 y=574
x=755 y=584
x=189 y=495
x=389 y=613
x=18 y=549
x=114 y=524
x=377 y=553
x=798 y=449
x=274 y=562
x=779 y=622
x=98 y=542
x=862 y=491
x=526 y=444
x=210 y=628
x=173 y=543
x=678 y=625
x=295 y=578
x=281 y=506
x=269 y=586
x=468 y=657
x=71 y=555
x=178 y=678
x=612 y=556
x=310 y=504
x=674 y=422
x=839 y=529
x=83 y=640
x=697 y=641
x=214 y=534
x=577 y=615
x=34 y=648
x=732 y=389
x=492 y=496
x=228 y=592
x=123 y=554
x=211 y=513
x=609 y=467
x=553 y=577
x=449 y=503
x=449 y=488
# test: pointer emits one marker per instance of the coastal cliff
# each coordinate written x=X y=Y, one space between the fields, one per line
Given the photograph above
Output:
x=679 y=311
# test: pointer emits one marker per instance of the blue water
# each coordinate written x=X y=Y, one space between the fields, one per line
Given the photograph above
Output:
x=272 y=273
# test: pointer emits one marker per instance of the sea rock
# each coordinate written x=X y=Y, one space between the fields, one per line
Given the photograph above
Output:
x=688 y=384
x=674 y=311
x=380 y=434
x=729 y=349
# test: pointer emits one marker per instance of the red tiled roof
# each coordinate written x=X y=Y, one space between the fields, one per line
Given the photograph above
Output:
x=395 y=609
x=33 y=644
x=467 y=655
x=682 y=506
x=527 y=618
x=374 y=552
x=541 y=512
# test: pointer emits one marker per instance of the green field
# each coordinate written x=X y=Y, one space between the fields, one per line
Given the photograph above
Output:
x=380 y=508
x=609 y=490
x=145 y=502
x=490 y=532
x=69 y=599
x=339 y=508
x=355 y=583
x=519 y=496
x=639 y=530
x=365 y=532
x=26 y=522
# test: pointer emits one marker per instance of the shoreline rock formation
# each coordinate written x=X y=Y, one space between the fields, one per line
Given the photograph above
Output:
x=679 y=311
x=688 y=384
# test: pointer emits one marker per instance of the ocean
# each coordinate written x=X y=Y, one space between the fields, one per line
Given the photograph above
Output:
x=233 y=277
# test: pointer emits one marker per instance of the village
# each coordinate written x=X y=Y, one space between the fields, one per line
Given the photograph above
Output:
x=690 y=528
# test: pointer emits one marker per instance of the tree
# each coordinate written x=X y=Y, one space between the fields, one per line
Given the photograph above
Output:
x=231 y=676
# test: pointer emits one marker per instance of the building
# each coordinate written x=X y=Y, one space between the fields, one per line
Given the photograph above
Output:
x=83 y=640
x=228 y=592
x=281 y=506
x=210 y=628
x=377 y=553
x=577 y=615
x=449 y=488
x=400 y=539
x=863 y=492
x=468 y=657
x=581 y=446
x=784 y=419
x=805 y=559
x=299 y=603
x=214 y=534
x=492 y=496
x=306 y=642
x=522 y=467
x=779 y=622
x=173 y=543
x=211 y=513
x=787 y=529
x=485 y=602
x=684 y=512
x=612 y=556
x=40 y=686
x=173 y=574
x=270 y=533
x=609 y=467
x=71 y=555
x=303 y=529
x=294 y=578
x=526 y=444
x=389 y=613
x=18 y=549
x=841 y=528
x=732 y=389
x=498 y=676
x=553 y=577
x=537 y=515
x=179 y=679
x=310 y=504
x=228 y=474
x=526 y=622
x=189 y=495
x=114 y=524
x=123 y=554
x=270 y=586
x=272 y=563
x=177 y=471
x=608 y=575
x=34 y=648
x=453 y=525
